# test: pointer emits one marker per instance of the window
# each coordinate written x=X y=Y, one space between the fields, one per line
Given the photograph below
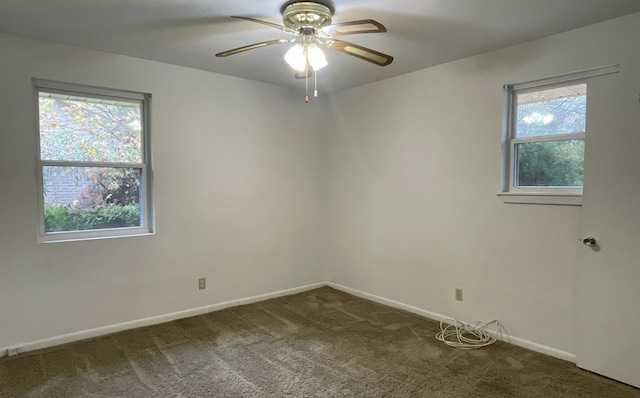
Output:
x=547 y=140
x=544 y=139
x=94 y=176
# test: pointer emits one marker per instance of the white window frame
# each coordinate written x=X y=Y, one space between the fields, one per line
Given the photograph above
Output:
x=146 y=201
x=538 y=195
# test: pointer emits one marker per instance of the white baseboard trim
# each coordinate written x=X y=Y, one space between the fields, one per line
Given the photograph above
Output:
x=543 y=349
x=101 y=331
x=438 y=317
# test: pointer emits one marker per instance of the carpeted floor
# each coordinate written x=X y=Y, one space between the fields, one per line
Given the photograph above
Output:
x=321 y=343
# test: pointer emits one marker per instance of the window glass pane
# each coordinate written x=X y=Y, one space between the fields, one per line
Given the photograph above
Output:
x=89 y=129
x=550 y=164
x=560 y=110
x=89 y=198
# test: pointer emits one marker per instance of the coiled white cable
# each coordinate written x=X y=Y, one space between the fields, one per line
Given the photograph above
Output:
x=468 y=336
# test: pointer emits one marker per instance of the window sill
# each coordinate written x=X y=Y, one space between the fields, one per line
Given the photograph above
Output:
x=77 y=237
x=536 y=198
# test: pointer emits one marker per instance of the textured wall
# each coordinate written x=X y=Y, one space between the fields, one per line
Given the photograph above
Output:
x=238 y=197
x=414 y=171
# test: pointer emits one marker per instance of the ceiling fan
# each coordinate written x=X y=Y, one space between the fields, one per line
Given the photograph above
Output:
x=310 y=24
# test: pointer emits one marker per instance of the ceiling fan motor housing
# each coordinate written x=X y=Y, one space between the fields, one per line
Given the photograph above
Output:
x=305 y=17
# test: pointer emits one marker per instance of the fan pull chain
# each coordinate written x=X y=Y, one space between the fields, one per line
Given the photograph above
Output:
x=306 y=78
x=315 y=89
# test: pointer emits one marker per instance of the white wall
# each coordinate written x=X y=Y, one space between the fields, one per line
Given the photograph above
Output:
x=414 y=171
x=238 y=195
x=397 y=178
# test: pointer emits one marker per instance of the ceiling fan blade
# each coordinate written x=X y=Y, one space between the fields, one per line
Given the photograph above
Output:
x=273 y=25
x=250 y=47
x=354 y=27
x=365 y=53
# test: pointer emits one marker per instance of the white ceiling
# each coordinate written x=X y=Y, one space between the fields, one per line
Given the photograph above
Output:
x=421 y=33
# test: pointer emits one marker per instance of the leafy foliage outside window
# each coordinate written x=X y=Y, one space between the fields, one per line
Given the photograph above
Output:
x=85 y=129
x=552 y=117
x=90 y=149
x=549 y=138
x=60 y=218
x=551 y=164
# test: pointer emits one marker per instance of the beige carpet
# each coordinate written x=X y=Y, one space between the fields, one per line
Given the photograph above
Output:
x=322 y=343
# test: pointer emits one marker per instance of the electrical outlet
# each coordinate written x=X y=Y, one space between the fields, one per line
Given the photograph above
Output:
x=459 y=294
x=202 y=283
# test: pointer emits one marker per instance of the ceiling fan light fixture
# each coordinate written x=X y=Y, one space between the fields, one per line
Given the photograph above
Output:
x=316 y=57
x=296 y=59
x=298 y=56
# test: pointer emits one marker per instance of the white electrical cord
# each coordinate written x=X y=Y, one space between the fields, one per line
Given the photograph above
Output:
x=468 y=336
